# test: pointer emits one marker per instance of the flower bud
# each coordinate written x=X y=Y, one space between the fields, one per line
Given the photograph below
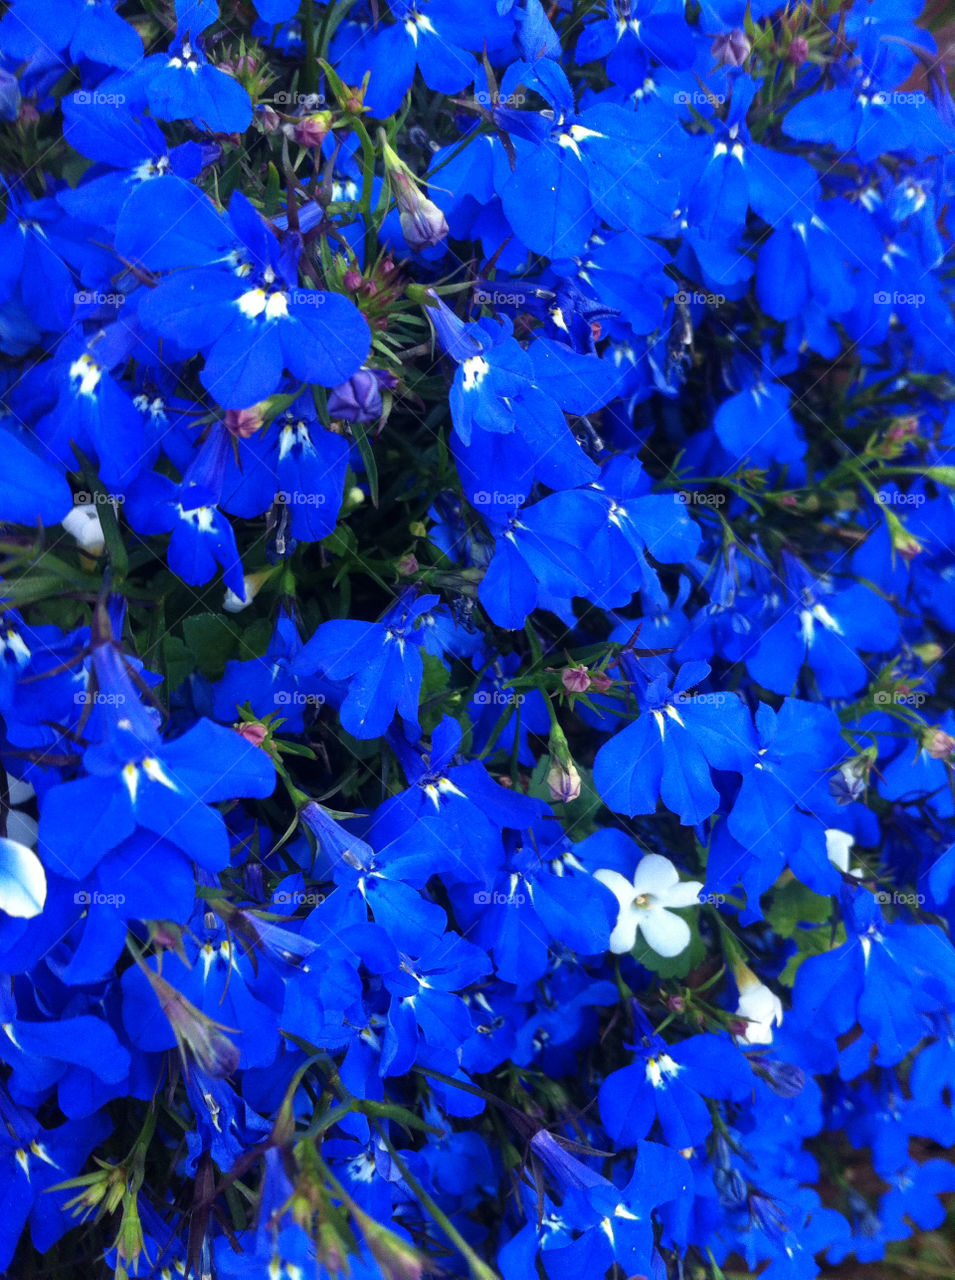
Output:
x=396 y=1258
x=732 y=48
x=243 y=423
x=83 y=523
x=311 y=131
x=358 y=399
x=563 y=780
x=799 y=51
x=575 y=679
x=196 y=1033
x=938 y=744
x=423 y=224
x=254 y=733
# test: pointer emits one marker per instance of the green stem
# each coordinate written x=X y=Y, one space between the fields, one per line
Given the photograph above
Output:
x=478 y=1268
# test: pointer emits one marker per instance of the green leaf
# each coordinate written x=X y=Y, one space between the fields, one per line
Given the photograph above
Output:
x=178 y=662
x=795 y=905
x=368 y=458
x=273 y=192
x=211 y=641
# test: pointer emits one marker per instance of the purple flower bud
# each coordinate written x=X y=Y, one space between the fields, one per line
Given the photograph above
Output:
x=730 y=1187
x=423 y=224
x=799 y=51
x=768 y=1217
x=334 y=841
x=785 y=1079
x=732 y=48
x=197 y=1035
x=565 y=1169
x=358 y=399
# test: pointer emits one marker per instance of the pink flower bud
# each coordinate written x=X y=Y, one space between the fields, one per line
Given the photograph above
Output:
x=243 y=422
x=576 y=679
x=254 y=733
x=939 y=744
x=799 y=51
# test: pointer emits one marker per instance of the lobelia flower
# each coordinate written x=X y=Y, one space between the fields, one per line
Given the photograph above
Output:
x=237 y=298
x=644 y=906
x=202 y=538
x=670 y=750
x=94 y=31
x=666 y=1084
x=127 y=153
x=34 y=1159
x=380 y=661
x=132 y=778
x=182 y=84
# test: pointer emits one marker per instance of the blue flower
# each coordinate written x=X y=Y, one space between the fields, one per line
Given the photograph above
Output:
x=132 y=778
x=238 y=299
x=671 y=748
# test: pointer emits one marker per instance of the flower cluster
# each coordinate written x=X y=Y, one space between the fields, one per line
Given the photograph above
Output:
x=477 y=763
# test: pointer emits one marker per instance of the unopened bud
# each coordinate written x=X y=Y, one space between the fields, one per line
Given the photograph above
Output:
x=254 y=733
x=799 y=51
x=358 y=399
x=243 y=423
x=938 y=744
x=422 y=222
x=731 y=49
x=563 y=780
x=311 y=131
x=576 y=679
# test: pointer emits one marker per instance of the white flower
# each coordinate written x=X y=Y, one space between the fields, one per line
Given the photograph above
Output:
x=838 y=844
x=83 y=523
x=762 y=1009
x=644 y=906
x=22 y=881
